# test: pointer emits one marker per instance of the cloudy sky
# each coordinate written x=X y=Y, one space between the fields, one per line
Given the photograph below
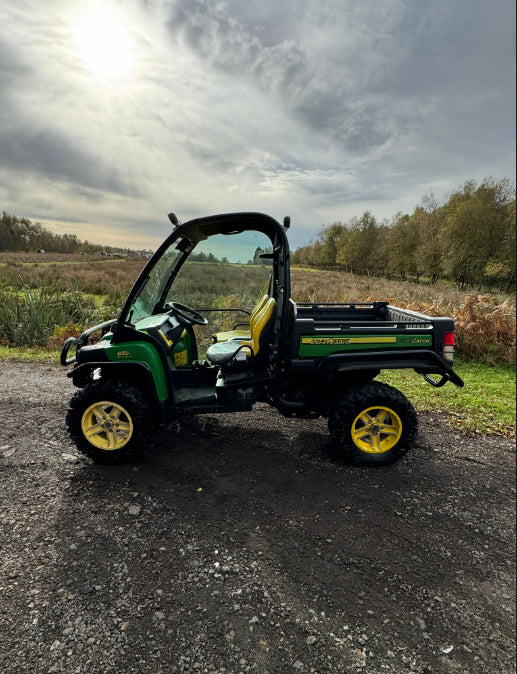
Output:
x=113 y=113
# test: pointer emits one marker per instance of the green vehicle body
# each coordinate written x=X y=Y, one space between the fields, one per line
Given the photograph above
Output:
x=305 y=359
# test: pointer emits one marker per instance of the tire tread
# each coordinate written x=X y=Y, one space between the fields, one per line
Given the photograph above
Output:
x=131 y=398
x=348 y=405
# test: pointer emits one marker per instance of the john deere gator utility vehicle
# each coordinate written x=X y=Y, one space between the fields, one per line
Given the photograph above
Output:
x=305 y=359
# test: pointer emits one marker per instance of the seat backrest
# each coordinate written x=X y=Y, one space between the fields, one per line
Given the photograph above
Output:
x=261 y=328
x=243 y=328
x=256 y=310
x=226 y=354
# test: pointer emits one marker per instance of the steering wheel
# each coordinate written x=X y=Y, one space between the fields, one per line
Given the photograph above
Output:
x=187 y=314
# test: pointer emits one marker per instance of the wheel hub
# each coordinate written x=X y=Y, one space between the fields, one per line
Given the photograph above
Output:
x=107 y=425
x=376 y=430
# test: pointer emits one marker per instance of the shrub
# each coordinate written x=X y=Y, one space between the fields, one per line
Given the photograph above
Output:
x=62 y=333
x=486 y=330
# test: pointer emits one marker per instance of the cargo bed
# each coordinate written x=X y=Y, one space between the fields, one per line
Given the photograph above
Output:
x=376 y=335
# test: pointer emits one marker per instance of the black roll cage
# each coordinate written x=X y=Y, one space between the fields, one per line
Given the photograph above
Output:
x=200 y=229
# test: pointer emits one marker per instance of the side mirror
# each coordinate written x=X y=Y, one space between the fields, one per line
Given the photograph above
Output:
x=287 y=222
x=174 y=220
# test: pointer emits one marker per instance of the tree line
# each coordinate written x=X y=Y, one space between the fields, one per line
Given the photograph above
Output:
x=470 y=240
x=23 y=235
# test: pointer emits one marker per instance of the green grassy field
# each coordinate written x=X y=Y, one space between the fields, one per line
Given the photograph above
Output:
x=485 y=405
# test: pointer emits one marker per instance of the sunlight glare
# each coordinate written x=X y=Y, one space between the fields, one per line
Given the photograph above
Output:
x=103 y=43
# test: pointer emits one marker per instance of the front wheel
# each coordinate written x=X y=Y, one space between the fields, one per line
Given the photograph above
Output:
x=109 y=421
x=373 y=424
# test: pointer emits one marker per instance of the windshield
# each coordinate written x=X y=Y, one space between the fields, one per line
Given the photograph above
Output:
x=221 y=271
x=158 y=280
x=224 y=271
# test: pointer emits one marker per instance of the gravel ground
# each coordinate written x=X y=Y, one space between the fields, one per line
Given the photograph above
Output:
x=243 y=544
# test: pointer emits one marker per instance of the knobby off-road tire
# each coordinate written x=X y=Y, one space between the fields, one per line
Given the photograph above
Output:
x=373 y=424
x=109 y=421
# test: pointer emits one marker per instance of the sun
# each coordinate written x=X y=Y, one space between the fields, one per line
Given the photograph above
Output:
x=103 y=44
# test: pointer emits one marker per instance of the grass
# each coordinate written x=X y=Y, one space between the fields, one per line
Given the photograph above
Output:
x=337 y=286
x=486 y=405
x=35 y=354
x=32 y=258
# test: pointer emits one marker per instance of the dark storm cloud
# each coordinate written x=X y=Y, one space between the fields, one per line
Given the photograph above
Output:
x=50 y=153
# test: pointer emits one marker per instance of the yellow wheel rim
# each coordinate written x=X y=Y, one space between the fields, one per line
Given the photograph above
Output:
x=376 y=430
x=107 y=425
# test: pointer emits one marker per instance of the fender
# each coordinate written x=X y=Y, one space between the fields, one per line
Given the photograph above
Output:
x=132 y=372
x=142 y=349
x=422 y=361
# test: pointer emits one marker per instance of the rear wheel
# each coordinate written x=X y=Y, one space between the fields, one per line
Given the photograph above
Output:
x=373 y=424
x=109 y=421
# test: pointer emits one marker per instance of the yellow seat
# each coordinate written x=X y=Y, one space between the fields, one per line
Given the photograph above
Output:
x=245 y=332
x=224 y=353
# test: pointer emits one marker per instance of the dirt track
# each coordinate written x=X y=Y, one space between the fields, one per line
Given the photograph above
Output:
x=244 y=544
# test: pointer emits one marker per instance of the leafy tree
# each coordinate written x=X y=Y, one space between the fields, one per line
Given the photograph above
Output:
x=358 y=249
x=402 y=243
x=477 y=225
x=469 y=239
x=428 y=255
x=330 y=240
x=21 y=234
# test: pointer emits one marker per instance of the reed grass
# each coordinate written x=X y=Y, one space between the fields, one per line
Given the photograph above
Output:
x=29 y=317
